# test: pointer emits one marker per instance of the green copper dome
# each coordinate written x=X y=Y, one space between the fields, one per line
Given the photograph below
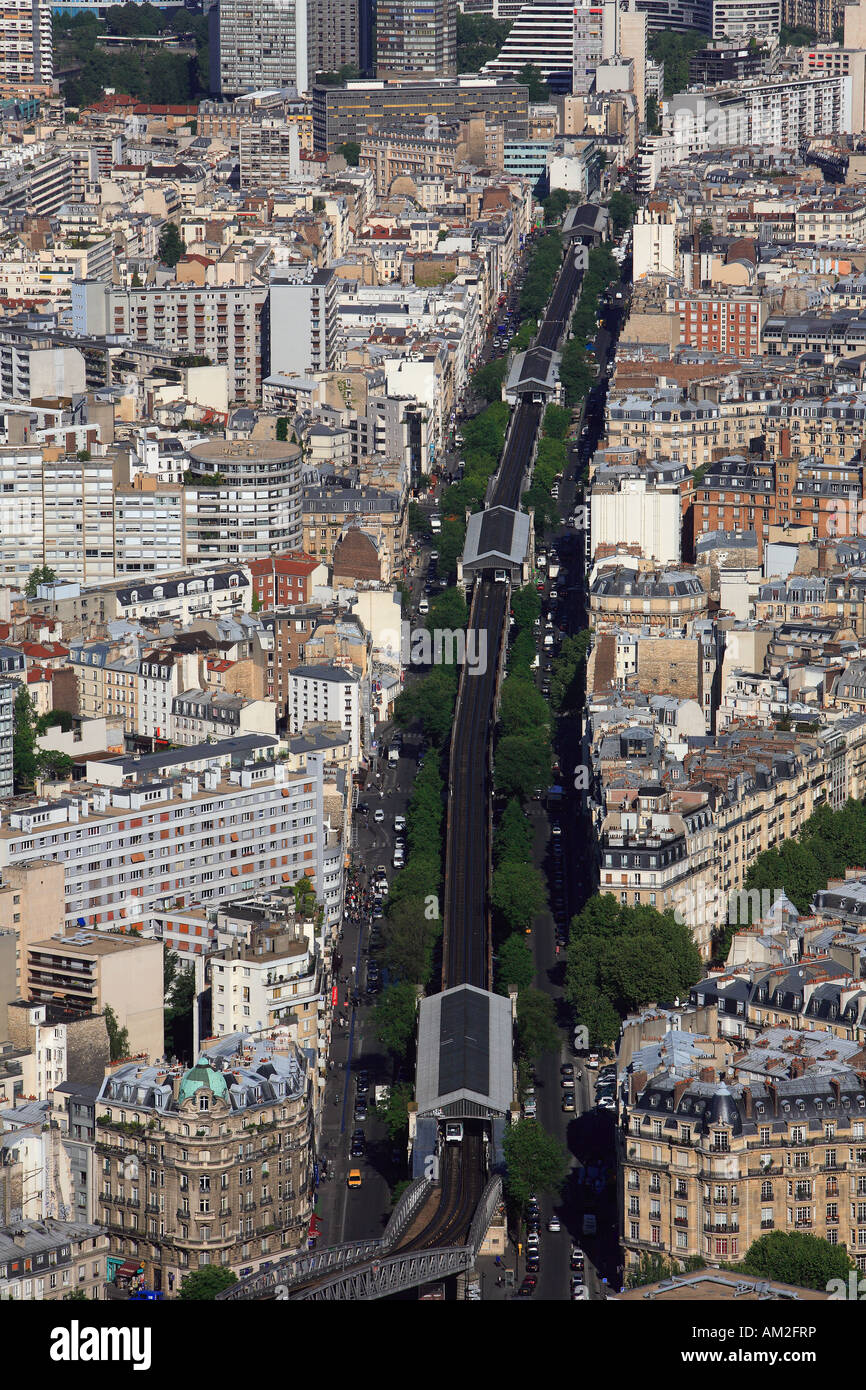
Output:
x=202 y=1074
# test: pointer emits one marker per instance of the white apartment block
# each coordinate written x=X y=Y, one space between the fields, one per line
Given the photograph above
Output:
x=257 y=44
x=55 y=513
x=133 y=851
x=740 y=19
x=303 y=319
x=318 y=694
x=149 y=529
x=270 y=153
x=221 y=322
x=634 y=514
x=654 y=248
x=252 y=991
x=31 y=372
x=26 y=55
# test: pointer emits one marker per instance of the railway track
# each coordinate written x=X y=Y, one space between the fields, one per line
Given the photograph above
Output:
x=462 y=1185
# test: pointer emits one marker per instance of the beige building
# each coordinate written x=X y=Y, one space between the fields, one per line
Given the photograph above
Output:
x=212 y=1165
x=32 y=902
x=709 y=1167
x=87 y=971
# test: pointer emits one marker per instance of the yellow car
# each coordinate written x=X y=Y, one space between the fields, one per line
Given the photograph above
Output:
x=354 y=1178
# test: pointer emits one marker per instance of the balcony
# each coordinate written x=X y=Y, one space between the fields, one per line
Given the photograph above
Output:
x=714 y=1228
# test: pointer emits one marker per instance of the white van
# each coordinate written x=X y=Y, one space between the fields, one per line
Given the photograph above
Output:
x=394 y=753
x=435 y=525
x=423 y=607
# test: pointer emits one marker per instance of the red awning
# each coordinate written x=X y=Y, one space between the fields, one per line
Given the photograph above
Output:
x=130 y=1268
x=315 y=1224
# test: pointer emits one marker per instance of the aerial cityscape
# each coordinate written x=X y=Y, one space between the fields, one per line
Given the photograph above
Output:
x=433 y=657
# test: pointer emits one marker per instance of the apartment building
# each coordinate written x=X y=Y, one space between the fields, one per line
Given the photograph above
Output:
x=220 y=322
x=270 y=153
x=333 y=510
x=49 y=1260
x=660 y=599
x=209 y=1165
x=259 y=45
x=243 y=499
x=149 y=526
x=350 y=112
x=85 y=971
x=26 y=55
x=59 y=511
x=742 y=19
x=660 y=424
x=302 y=324
x=708 y=1167
x=200 y=715
x=132 y=847
x=322 y=694
x=416 y=40
x=755 y=494
x=721 y=323
x=832 y=427
x=283 y=579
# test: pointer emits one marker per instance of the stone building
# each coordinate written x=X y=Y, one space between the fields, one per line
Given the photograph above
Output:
x=206 y=1166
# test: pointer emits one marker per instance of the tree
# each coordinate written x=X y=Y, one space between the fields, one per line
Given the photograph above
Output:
x=536 y=1025
x=351 y=152
x=525 y=605
x=54 y=765
x=42 y=574
x=796 y=1257
x=118 y=1038
x=514 y=964
x=204 y=1284
x=395 y=1110
x=522 y=765
x=408 y=941
x=622 y=209
x=517 y=891
x=479 y=39
x=282 y=429
x=652 y=115
x=513 y=838
x=487 y=381
x=25 y=759
x=530 y=76
x=170 y=248
x=76 y=1296
x=534 y=1161
x=394 y=1018
x=524 y=712
x=178 y=1015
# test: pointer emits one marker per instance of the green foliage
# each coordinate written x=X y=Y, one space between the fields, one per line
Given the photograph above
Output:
x=535 y=1161
x=351 y=152
x=622 y=209
x=25 y=758
x=526 y=607
x=518 y=893
x=799 y=36
x=513 y=838
x=652 y=116
x=514 y=964
x=282 y=429
x=54 y=719
x=568 y=672
x=170 y=248
x=674 y=50
x=409 y=938
x=394 y=1018
x=118 y=1038
x=203 y=1285
x=178 y=1013
x=419 y=522
x=430 y=701
x=652 y=1268
x=347 y=73
x=530 y=76
x=521 y=766
x=42 y=574
x=487 y=381
x=524 y=711
x=448 y=611
x=556 y=422
x=479 y=39
x=55 y=766
x=395 y=1111
x=796 y=1257
x=541 y=271
x=154 y=74
x=536 y=1024
x=621 y=958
